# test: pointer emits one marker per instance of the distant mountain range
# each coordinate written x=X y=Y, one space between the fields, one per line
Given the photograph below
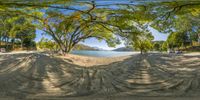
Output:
x=123 y=49
x=100 y=49
x=84 y=47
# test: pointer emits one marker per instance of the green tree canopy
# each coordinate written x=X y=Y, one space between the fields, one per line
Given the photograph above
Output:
x=69 y=22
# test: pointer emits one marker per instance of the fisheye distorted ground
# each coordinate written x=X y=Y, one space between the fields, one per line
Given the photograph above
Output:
x=37 y=75
x=155 y=49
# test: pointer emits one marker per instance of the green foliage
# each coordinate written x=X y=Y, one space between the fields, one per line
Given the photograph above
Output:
x=164 y=46
x=142 y=41
x=17 y=27
x=143 y=45
x=158 y=45
x=180 y=18
x=177 y=40
x=46 y=44
x=69 y=30
x=29 y=44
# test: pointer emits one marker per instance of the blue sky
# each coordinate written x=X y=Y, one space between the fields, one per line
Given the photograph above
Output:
x=102 y=44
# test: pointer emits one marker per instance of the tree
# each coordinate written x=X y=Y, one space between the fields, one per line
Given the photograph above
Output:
x=177 y=40
x=29 y=44
x=14 y=28
x=68 y=30
x=141 y=40
x=25 y=31
x=69 y=25
x=164 y=46
x=143 y=43
x=8 y=29
x=180 y=17
x=157 y=46
x=81 y=24
x=46 y=44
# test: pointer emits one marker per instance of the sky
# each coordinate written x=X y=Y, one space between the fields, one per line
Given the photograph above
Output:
x=102 y=44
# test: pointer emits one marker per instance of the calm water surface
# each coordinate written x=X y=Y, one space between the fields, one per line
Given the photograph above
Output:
x=102 y=53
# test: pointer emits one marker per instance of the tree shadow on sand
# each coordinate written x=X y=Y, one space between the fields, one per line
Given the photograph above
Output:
x=39 y=75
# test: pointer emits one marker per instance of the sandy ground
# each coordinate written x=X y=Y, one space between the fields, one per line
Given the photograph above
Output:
x=86 y=61
x=37 y=76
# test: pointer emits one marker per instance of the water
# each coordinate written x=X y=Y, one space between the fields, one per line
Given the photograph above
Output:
x=102 y=53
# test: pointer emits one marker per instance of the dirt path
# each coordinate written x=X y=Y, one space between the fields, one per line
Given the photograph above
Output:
x=38 y=76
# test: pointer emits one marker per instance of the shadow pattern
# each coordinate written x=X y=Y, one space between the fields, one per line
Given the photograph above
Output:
x=37 y=75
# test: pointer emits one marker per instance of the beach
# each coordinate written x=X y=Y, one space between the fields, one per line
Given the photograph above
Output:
x=153 y=76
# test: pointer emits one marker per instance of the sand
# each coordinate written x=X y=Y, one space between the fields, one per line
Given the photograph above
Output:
x=136 y=77
x=87 y=61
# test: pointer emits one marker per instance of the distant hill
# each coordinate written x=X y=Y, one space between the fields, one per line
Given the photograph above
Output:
x=123 y=49
x=100 y=49
x=84 y=47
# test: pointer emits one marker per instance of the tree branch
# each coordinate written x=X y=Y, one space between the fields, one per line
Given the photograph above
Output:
x=178 y=8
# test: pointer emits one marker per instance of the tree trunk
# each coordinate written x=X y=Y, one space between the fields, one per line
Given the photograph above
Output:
x=7 y=42
x=13 y=44
x=141 y=51
x=69 y=50
x=66 y=50
x=0 y=42
x=21 y=44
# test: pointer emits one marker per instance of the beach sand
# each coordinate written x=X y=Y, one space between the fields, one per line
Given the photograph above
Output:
x=37 y=76
x=87 y=61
